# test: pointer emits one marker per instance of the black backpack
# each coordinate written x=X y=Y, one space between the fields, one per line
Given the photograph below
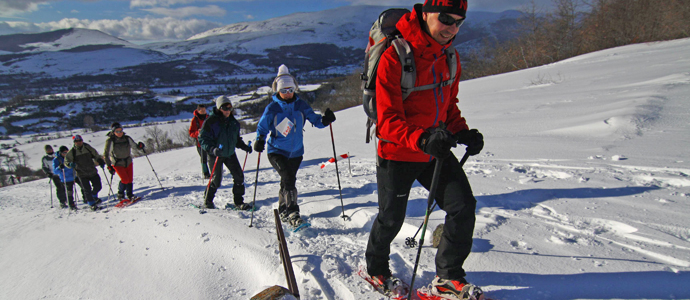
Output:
x=382 y=35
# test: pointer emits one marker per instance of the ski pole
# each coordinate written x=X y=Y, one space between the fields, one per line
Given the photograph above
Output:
x=432 y=196
x=208 y=186
x=50 y=182
x=152 y=169
x=65 y=184
x=110 y=186
x=256 y=184
x=337 y=174
x=246 y=155
x=410 y=241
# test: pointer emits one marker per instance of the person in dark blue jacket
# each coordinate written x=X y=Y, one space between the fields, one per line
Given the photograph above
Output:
x=66 y=177
x=219 y=136
x=284 y=121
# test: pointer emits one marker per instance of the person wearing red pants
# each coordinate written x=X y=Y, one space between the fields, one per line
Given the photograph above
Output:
x=118 y=157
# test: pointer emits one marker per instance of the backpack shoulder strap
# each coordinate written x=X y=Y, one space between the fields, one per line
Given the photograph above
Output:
x=408 y=76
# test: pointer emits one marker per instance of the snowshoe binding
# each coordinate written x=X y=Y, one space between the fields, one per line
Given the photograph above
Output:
x=442 y=289
x=390 y=286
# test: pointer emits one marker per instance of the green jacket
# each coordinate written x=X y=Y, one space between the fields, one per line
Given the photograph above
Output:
x=218 y=130
x=83 y=158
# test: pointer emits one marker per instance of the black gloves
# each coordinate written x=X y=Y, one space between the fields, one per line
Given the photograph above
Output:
x=141 y=146
x=111 y=169
x=473 y=139
x=61 y=166
x=245 y=147
x=216 y=152
x=260 y=145
x=328 y=117
x=101 y=162
x=437 y=143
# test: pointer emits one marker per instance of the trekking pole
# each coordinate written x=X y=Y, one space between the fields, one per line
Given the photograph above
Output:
x=256 y=184
x=208 y=186
x=246 y=155
x=410 y=241
x=337 y=174
x=50 y=182
x=65 y=184
x=432 y=196
x=152 y=169
x=110 y=186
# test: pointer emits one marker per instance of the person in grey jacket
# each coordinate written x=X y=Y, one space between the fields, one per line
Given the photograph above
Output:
x=47 y=167
x=118 y=157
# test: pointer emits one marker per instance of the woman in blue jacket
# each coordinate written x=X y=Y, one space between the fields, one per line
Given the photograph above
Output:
x=66 y=177
x=284 y=120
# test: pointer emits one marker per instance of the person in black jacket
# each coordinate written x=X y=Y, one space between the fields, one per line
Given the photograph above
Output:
x=81 y=157
x=219 y=136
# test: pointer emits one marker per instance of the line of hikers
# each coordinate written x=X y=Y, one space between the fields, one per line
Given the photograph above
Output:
x=78 y=165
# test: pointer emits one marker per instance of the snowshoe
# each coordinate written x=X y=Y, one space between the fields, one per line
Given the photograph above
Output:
x=242 y=206
x=442 y=289
x=62 y=205
x=94 y=207
x=127 y=202
x=390 y=286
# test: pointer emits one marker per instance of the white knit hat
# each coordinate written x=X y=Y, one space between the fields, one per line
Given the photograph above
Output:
x=284 y=79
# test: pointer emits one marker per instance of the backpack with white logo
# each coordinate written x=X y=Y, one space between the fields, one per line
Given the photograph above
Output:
x=382 y=35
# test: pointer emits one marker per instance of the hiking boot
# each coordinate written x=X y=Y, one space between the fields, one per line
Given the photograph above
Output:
x=390 y=286
x=94 y=207
x=295 y=220
x=209 y=205
x=97 y=200
x=456 y=289
x=63 y=205
x=73 y=207
x=243 y=206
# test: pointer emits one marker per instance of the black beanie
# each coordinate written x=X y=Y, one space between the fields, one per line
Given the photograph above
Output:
x=456 y=7
x=48 y=148
x=63 y=149
x=115 y=125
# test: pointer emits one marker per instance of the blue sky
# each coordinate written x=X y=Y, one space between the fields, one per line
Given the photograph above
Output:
x=157 y=20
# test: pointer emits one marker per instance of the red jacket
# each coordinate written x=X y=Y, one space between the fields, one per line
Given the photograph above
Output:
x=401 y=123
x=194 y=128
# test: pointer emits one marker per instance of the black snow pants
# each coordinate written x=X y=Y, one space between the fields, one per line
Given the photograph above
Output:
x=237 y=177
x=287 y=169
x=454 y=196
x=90 y=187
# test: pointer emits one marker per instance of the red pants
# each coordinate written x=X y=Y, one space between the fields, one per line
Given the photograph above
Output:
x=126 y=173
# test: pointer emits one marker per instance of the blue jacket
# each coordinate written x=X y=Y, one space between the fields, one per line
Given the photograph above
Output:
x=69 y=172
x=279 y=115
x=218 y=130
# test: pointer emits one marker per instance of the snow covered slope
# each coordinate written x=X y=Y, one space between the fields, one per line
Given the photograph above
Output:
x=582 y=193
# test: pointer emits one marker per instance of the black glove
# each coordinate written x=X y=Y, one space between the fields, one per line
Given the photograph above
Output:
x=111 y=169
x=260 y=145
x=437 y=143
x=101 y=162
x=61 y=166
x=246 y=148
x=473 y=139
x=141 y=146
x=216 y=152
x=328 y=117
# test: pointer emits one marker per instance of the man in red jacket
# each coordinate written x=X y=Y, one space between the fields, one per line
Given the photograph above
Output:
x=411 y=136
x=197 y=121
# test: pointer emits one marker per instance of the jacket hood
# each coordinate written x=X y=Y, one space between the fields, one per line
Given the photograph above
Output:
x=200 y=116
x=410 y=26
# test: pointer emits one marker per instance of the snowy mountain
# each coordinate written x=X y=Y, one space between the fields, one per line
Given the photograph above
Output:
x=582 y=188
x=315 y=45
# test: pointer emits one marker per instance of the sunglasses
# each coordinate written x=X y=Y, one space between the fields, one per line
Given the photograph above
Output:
x=447 y=20
x=226 y=108
x=117 y=131
x=78 y=141
x=287 y=90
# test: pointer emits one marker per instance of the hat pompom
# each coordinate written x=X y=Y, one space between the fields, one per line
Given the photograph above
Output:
x=283 y=70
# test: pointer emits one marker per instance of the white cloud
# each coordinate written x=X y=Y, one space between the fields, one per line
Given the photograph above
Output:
x=183 y=12
x=249 y=17
x=15 y=7
x=131 y=29
x=168 y=3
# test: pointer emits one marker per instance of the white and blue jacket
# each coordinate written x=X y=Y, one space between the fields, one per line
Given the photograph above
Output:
x=284 y=121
